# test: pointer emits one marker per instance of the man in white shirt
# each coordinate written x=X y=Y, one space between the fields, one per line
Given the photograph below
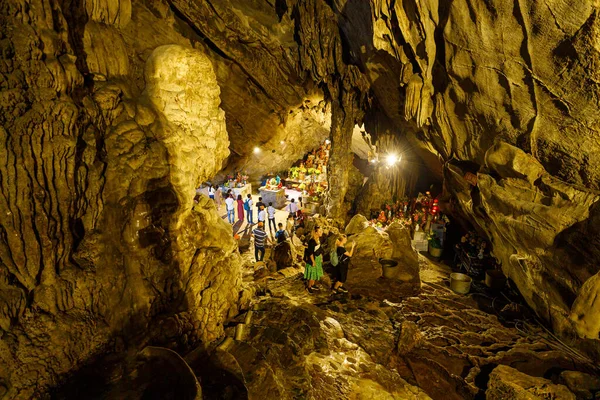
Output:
x=249 y=209
x=292 y=208
x=262 y=215
x=229 y=203
x=271 y=213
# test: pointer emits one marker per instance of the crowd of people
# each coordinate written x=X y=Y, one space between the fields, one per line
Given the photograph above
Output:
x=473 y=245
x=339 y=257
x=415 y=213
x=266 y=230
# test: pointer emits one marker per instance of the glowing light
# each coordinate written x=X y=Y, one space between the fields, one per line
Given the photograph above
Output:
x=256 y=150
x=391 y=159
x=282 y=142
x=327 y=141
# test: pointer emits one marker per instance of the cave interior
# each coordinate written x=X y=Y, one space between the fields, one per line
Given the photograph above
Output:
x=121 y=275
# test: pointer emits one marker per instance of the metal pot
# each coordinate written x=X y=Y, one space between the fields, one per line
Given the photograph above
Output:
x=389 y=267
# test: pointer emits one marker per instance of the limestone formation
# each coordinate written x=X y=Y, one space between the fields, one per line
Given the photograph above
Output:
x=410 y=337
x=404 y=254
x=283 y=255
x=584 y=386
x=372 y=244
x=100 y=244
x=584 y=316
x=357 y=224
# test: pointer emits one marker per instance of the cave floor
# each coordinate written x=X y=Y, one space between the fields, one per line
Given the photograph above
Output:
x=437 y=344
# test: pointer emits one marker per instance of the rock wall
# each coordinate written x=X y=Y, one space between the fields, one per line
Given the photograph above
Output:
x=100 y=250
x=518 y=107
x=511 y=89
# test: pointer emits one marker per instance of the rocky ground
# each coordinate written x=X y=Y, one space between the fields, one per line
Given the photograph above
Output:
x=429 y=343
x=436 y=344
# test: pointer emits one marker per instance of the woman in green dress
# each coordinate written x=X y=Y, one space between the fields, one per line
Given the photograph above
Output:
x=314 y=260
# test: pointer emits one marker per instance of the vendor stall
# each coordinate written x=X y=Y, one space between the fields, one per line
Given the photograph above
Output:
x=274 y=195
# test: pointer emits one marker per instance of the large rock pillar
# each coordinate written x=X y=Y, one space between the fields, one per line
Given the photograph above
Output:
x=345 y=112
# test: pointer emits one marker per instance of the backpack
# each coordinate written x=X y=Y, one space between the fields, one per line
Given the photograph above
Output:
x=280 y=235
x=246 y=206
x=333 y=257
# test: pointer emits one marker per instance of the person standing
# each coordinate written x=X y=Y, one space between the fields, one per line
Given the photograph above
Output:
x=240 y=208
x=230 y=206
x=219 y=198
x=259 y=203
x=281 y=235
x=260 y=238
x=343 y=257
x=262 y=215
x=211 y=192
x=271 y=214
x=289 y=225
x=249 y=208
x=292 y=208
x=314 y=260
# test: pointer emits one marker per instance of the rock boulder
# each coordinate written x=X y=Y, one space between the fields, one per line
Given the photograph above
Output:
x=404 y=254
x=357 y=224
x=365 y=273
x=508 y=383
x=584 y=311
x=585 y=386
x=283 y=255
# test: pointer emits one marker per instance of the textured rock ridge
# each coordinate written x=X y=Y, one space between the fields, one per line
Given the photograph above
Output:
x=516 y=109
x=99 y=242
